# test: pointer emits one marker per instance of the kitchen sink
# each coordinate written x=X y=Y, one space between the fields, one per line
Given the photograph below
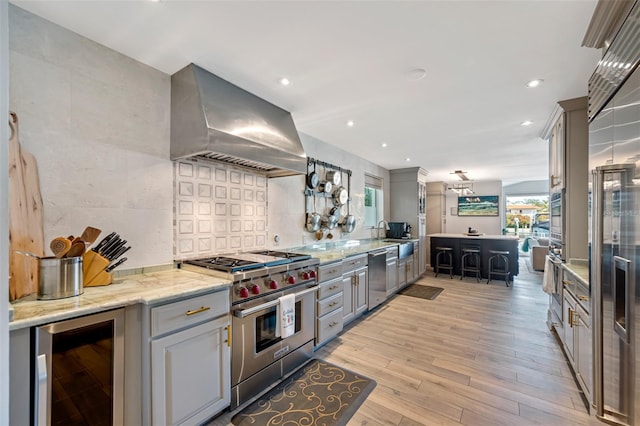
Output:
x=405 y=248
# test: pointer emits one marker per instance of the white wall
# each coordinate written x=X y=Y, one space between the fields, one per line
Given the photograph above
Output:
x=286 y=212
x=4 y=213
x=97 y=123
x=485 y=224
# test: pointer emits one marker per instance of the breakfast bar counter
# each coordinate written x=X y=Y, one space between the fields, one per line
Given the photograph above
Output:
x=484 y=243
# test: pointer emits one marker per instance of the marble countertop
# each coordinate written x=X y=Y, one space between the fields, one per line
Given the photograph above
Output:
x=163 y=286
x=475 y=237
x=333 y=252
x=148 y=288
x=579 y=268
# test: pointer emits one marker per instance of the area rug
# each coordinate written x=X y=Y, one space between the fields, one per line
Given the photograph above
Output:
x=319 y=393
x=421 y=291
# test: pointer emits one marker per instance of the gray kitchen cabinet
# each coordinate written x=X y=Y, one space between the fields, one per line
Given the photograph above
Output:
x=577 y=339
x=330 y=300
x=584 y=349
x=569 y=303
x=567 y=132
x=354 y=282
x=408 y=197
x=402 y=272
x=190 y=359
x=436 y=214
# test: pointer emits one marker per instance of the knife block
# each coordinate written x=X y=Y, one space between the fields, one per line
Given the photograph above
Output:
x=93 y=270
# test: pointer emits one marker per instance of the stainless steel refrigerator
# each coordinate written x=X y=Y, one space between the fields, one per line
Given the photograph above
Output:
x=614 y=161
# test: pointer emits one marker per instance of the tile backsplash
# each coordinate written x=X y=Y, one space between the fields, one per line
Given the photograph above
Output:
x=218 y=208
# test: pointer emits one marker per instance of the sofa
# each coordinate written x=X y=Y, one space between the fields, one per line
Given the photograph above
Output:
x=539 y=248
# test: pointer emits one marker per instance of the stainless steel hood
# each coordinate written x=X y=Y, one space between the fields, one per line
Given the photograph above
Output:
x=214 y=119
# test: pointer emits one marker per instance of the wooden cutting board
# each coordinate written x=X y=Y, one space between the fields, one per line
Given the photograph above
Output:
x=25 y=217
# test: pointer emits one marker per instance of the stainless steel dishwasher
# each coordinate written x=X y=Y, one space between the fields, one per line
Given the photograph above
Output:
x=377 y=278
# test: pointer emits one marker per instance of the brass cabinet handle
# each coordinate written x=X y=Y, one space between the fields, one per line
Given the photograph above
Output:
x=228 y=335
x=567 y=282
x=197 y=311
x=333 y=287
x=334 y=303
x=333 y=323
x=583 y=298
x=570 y=317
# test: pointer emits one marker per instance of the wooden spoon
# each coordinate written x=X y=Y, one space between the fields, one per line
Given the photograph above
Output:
x=77 y=249
x=90 y=234
x=60 y=246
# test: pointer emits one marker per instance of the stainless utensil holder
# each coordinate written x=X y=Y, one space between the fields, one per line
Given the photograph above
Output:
x=60 y=278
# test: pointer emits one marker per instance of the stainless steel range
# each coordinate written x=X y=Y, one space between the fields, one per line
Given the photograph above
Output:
x=259 y=356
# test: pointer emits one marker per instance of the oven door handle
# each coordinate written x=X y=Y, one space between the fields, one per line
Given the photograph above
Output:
x=242 y=313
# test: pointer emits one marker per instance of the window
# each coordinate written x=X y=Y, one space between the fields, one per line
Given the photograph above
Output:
x=373 y=201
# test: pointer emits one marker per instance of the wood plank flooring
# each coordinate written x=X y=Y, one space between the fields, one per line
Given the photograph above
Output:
x=476 y=355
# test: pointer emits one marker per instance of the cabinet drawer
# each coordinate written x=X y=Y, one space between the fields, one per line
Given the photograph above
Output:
x=329 y=304
x=330 y=271
x=185 y=313
x=328 y=326
x=350 y=264
x=328 y=288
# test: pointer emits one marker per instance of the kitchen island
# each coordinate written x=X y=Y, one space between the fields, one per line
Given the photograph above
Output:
x=484 y=242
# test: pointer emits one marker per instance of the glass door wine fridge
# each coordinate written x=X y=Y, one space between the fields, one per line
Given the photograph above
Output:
x=79 y=375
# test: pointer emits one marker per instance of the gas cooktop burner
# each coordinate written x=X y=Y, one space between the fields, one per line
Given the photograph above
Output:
x=239 y=262
x=287 y=255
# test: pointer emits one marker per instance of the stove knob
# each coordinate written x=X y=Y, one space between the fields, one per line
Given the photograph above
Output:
x=312 y=274
x=291 y=279
x=273 y=284
x=305 y=275
x=255 y=289
x=243 y=292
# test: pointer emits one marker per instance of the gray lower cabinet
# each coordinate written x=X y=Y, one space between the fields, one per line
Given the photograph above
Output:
x=354 y=281
x=190 y=359
x=577 y=338
x=329 y=312
x=402 y=273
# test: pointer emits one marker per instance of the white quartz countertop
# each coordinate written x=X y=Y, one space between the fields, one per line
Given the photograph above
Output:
x=475 y=237
x=332 y=252
x=149 y=288
x=580 y=269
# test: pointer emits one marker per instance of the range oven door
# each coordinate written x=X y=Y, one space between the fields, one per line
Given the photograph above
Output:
x=255 y=346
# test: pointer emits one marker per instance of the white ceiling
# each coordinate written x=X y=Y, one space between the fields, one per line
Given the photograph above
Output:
x=348 y=60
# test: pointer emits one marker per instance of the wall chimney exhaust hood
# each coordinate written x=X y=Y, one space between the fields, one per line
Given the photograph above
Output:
x=214 y=119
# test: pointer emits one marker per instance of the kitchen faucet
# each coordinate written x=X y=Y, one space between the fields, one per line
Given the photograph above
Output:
x=386 y=224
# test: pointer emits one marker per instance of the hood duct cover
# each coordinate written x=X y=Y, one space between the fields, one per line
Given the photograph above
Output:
x=214 y=119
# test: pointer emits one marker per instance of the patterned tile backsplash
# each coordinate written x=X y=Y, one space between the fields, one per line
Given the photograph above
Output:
x=218 y=208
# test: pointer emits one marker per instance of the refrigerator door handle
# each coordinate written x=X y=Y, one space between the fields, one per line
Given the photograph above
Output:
x=621 y=302
x=597 y=205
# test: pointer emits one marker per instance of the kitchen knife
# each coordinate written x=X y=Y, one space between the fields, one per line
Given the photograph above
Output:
x=120 y=252
x=103 y=242
x=108 y=253
x=110 y=245
x=115 y=265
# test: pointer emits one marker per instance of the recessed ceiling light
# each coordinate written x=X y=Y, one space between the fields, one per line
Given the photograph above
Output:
x=526 y=123
x=416 y=74
x=534 y=83
x=384 y=145
x=407 y=159
x=351 y=123
x=285 y=81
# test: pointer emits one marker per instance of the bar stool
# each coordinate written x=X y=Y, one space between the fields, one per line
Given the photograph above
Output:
x=499 y=258
x=444 y=254
x=470 y=262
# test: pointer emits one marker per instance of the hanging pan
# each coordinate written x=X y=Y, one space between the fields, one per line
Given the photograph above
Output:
x=313 y=178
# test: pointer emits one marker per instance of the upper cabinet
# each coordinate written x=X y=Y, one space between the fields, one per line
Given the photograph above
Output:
x=568 y=136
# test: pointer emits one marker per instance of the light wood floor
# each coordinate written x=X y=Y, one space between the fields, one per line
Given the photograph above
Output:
x=476 y=355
